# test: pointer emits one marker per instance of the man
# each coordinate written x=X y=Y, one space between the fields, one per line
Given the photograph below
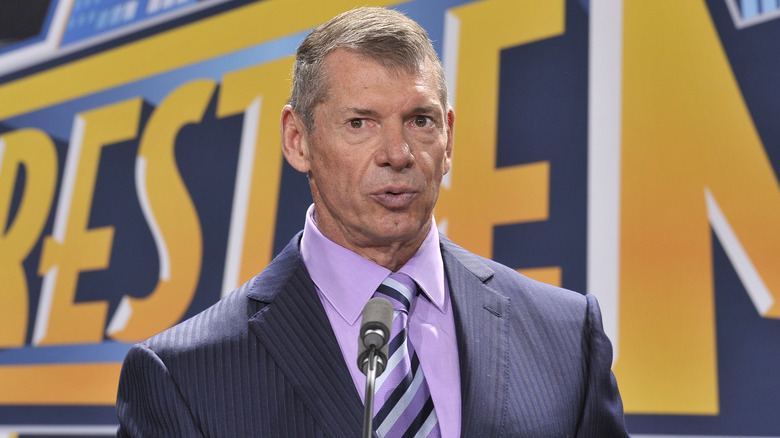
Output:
x=488 y=353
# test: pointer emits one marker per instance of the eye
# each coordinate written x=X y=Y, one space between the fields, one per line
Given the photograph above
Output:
x=356 y=123
x=422 y=121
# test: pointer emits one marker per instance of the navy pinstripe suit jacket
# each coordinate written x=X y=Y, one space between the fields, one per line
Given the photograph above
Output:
x=263 y=362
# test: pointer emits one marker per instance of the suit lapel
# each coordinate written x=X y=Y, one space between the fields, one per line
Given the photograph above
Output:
x=481 y=322
x=295 y=330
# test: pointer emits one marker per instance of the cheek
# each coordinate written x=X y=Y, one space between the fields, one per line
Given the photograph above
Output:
x=337 y=174
x=434 y=164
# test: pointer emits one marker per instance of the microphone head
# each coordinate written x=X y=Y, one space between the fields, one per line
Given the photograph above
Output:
x=375 y=332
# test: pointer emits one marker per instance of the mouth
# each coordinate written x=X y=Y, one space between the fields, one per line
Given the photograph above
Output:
x=394 y=199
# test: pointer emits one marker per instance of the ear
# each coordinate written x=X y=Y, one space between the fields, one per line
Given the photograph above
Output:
x=295 y=140
x=450 y=140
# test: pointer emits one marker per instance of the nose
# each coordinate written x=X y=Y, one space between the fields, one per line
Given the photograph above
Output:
x=395 y=151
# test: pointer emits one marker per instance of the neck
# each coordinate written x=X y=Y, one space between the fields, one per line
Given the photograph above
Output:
x=390 y=254
x=392 y=257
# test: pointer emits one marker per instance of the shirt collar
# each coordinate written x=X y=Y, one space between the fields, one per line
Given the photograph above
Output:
x=348 y=280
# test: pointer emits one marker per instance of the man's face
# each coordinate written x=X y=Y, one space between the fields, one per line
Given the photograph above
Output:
x=377 y=154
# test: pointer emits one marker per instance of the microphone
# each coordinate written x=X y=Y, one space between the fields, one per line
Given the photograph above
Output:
x=372 y=350
x=375 y=332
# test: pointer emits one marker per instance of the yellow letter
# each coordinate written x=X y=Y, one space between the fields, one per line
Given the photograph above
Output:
x=35 y=150
x=691 y=159
x=480 y=196
x=259 y=92
x=170 y=214
x=73 y=247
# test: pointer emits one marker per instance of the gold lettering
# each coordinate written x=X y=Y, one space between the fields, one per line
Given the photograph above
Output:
x=259 y=92
x=35 y=151
x=691 y=159
x=481 y=196
x=170 y=214
x=73 y=247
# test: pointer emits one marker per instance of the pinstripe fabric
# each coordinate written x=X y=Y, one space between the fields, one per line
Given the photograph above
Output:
x=534 y=359
x=263 y=362
x=241 y=368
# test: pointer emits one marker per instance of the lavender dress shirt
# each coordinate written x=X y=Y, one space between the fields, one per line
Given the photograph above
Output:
x=346 y=281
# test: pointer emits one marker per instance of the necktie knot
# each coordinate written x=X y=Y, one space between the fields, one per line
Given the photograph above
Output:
x=400 y=289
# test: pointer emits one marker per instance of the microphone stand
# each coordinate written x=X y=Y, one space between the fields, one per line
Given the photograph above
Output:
x=372 y=351
x=368 y=413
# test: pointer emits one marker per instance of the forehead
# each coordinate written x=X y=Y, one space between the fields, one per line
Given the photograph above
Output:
x=349 y=74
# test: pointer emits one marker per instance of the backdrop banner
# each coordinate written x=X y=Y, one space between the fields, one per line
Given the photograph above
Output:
x=624 y=148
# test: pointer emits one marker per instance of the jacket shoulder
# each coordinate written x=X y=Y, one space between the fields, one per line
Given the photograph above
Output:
x=519 y=288
x=226 y=320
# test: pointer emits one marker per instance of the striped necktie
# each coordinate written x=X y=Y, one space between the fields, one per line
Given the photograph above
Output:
x=404 y=406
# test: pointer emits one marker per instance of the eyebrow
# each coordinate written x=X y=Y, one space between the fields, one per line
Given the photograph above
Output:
x=360 y=111
x=427 y=109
